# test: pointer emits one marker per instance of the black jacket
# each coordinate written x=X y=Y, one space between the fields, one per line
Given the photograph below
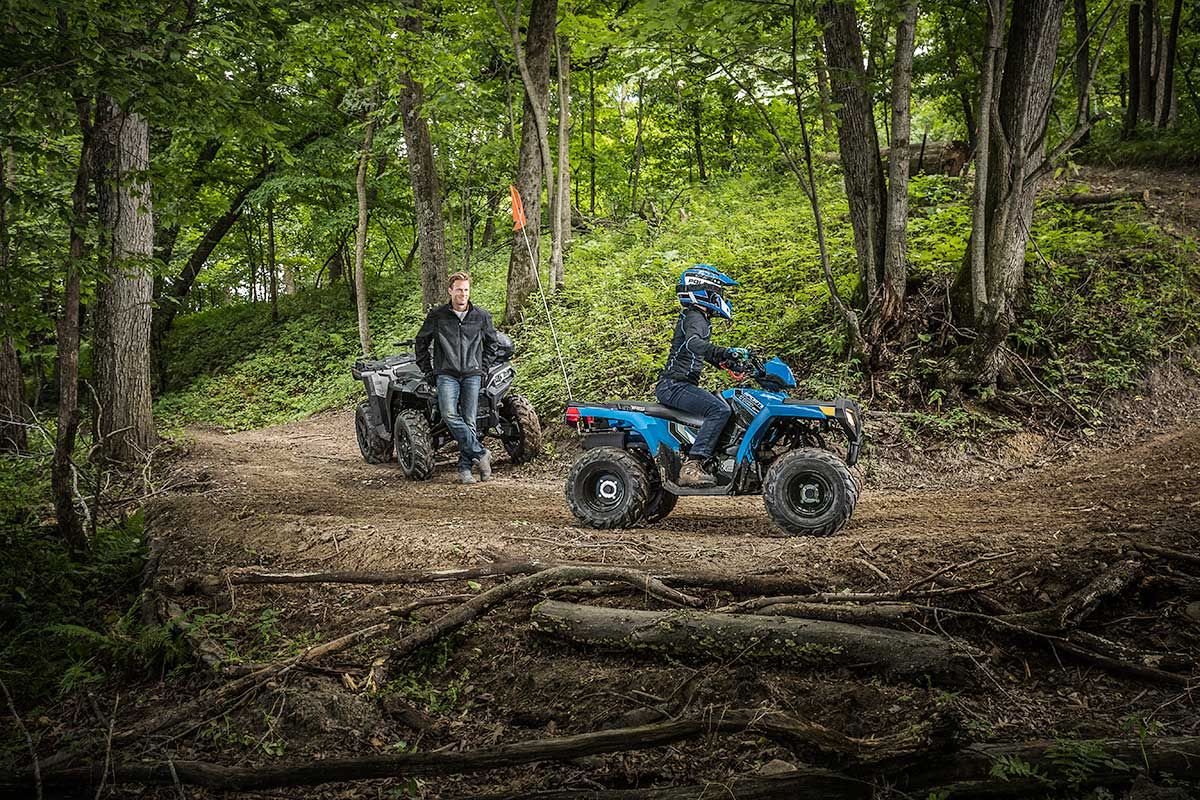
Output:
x=690 y=348
x=459 y=348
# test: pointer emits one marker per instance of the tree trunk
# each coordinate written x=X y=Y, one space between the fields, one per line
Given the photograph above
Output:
x=750 y=636
x=592 y=145
x=563 y=206
x=489 y=225
x=13 y=436
x=697 y=109
x=360 y=235
x=895 y=265
x=67 y=333
x=1165 y=115
x=1146 y=87
x=823 y=89
x=534 y=164
x=635 y=174
x=1082 y=62
x=125 y=425
x=992 y=66
x=271 y=262
x=422 y=171
x=1016 y=162
x=857 y=142
x=1133 y=40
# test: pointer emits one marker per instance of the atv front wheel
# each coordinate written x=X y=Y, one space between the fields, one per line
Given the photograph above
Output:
x=375 y=449
x=810 y=492
x=525 y=444
x=414 y=445
x=608 y=488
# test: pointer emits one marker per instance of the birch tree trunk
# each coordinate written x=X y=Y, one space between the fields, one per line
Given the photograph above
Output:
x=895 y=265
x=124 y=297
x=993 y=65
x=1133 y=41
x=360 y=234
x=534 y=164
x=422 y=172
x=1166 y=113
x=563 y=206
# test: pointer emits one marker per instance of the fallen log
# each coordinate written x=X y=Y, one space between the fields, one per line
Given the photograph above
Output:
x=1102 y=199
x=885 y=614
x=773 y=725
x=718 y=635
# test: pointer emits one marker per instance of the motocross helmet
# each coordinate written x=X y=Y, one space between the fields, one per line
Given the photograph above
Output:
x=704 y=286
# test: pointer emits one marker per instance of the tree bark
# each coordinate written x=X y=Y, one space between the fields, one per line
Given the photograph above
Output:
x=125 y=425
x=993 y=65
x=895 y=265
x=1166 y=113
x=749 y=636
x=697 y=109
x=360 y=234
x=635 y=173
x=1146 y=88
x=592 y=141
x=857 y=143
x=1082 y=62
x=823 y=89
x=563 y=206
x=13 y=436
x=1133 y=42
x=422 y=171
x=534 y=164
x=62 y=475
x=1016 y=167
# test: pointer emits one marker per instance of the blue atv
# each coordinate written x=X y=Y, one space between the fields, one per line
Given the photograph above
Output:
x=772 y=444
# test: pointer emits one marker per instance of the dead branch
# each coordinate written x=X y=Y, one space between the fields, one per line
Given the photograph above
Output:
x=953 y=567
x=480 y=604
x=886 y=614
x=737 y=584
x=1079 y=605
x=709 y=634
x=1174 y=555
x=796 y=734
x=808 y=782
x=155 y=547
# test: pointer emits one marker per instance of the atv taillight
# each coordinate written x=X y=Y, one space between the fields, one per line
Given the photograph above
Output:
x=572 y=414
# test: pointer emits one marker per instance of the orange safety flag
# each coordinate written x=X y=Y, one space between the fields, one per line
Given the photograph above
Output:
x=518 y=208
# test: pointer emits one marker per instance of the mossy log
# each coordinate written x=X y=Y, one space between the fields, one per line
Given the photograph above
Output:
x=798 y=641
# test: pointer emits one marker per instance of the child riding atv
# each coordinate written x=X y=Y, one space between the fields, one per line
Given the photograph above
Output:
x=701 y=291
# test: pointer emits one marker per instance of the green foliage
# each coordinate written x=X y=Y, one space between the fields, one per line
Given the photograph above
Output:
x=66 y=622
x=426 y=680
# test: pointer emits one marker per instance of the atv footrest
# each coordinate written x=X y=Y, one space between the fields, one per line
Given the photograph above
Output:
x=704 y=491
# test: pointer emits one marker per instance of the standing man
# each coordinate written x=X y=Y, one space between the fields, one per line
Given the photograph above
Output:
x=455 y=347
x=701 y=291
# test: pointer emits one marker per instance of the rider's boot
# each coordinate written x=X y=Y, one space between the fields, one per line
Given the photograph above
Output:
x=693 y=475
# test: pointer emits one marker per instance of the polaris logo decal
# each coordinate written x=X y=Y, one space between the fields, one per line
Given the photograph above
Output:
x=750 y=403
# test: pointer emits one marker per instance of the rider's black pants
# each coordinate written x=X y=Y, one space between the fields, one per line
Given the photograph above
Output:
x=694 y=400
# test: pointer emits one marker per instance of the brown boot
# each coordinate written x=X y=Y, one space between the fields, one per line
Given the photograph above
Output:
x=693 y=475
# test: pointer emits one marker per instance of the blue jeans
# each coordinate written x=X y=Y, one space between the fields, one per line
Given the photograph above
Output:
x=458 y=402
x=694 y=400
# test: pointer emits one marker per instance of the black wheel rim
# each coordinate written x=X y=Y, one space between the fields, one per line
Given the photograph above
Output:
x=404 y=451
x=810 y=494
x=604 y=490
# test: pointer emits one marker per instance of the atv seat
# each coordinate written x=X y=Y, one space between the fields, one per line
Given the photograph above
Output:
x=652 y=410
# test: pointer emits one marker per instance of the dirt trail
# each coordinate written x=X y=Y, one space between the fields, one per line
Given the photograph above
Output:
x=300 y=495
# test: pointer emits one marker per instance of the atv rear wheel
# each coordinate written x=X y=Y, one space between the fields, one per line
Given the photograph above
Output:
x=661 y=502
x=526 y=442
x=810 y=492
x=375 y=449
x=608 y=488
x=414 y=444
